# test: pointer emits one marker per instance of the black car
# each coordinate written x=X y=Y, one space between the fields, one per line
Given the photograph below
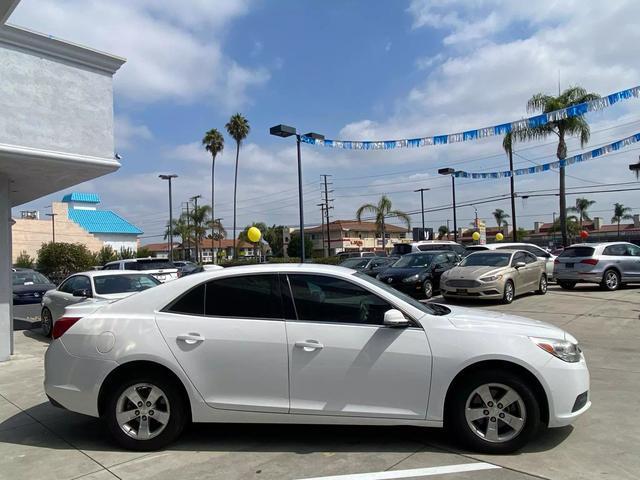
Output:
x=29 y=286
x=418 y=274
x=372 y=266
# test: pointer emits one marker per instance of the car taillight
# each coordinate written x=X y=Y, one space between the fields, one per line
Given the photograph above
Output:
x=589 y=261
x=62 y=325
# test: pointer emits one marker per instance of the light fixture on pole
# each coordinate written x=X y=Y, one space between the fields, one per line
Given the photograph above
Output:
x=635 y=168
x=169 y=177
x=422 y=190
x=285 y=131
x=451 y=171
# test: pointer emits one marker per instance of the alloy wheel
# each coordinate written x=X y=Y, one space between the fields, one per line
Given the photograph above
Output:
x=495 y=412
x=428 y=289
x=142 y=411
x=46 y=322
x=543 y=285
x=508 y=292
x=611 y=280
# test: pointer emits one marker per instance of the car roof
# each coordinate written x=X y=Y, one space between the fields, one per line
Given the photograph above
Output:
x=430 y=252
x=102 y=273
x=498 y=251
x=598 y=244
x=494 y=246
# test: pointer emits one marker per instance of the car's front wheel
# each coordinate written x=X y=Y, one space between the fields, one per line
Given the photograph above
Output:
x=494 y=412
x=509 y=292
x=145 y=412
x=427 y=289
x=46 y=322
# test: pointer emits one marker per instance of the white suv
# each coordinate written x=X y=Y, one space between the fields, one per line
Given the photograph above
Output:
x=428 y=245
x=160 y=268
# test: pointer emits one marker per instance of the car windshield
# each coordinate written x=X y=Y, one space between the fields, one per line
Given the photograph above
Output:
x=577 y=252
x=423 y=307
x=109 y=284
x=154 y=264
x=355 y=262
x=482 y=259
x=414 y=261
x=29 y=277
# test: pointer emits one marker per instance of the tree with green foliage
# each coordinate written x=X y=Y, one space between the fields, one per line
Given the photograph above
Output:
x=521 y=233
x=561 y=128
x=105 y=255
x=620 y=212
x=213 y=143
x=143 y=252
x=199 y=222
x=260 y=246
x=443 y=231
x=582 y=205
x=294 y=250
x=500 y=216
x=238 y=127
x=126 y=253
x=274 y=237
x=382 y=211
x=59 y=260
x=24 y=260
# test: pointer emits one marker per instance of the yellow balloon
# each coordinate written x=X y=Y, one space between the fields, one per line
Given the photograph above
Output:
x=499 y=237
x=476 y=236
x=254 y=235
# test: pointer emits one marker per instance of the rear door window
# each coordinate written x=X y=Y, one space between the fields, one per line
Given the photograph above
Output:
x=246 y=296
x=577 y=252
x=615 y=250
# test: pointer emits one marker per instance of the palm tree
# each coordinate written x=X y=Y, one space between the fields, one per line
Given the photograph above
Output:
x=238 y=128
x=200 y=219
x=500 y=216
x=218 y=232
x=381 y=211
x=620 y=212
x=561 y=127
x=213 y=142
x=181 y=228
x=582 y=205
x=442 y=231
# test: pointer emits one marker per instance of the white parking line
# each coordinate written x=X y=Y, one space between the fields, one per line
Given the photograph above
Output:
x=415 y=472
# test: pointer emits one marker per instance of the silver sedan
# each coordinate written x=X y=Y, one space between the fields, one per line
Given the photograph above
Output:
x=496 y=275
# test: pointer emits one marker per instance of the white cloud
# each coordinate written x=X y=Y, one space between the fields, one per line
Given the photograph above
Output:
x=127 y=133
x=173 y=52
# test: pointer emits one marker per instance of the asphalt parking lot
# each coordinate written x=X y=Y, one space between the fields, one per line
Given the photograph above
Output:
x=40 y=441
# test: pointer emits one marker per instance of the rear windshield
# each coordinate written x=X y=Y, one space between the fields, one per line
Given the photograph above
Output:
x=401 y=249
x=482 y=259
x=414 y=260
x=577 y=252
x=135 y=282
x=355 y=263
x=153 y=264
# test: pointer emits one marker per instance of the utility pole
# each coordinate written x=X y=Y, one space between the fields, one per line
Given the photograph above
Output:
x=513 y=195
x=53 y=225
x=170 y=177
x=324 y=243
x=195 y=225
x=422 y=190
x=447 y=229
x=327 y=207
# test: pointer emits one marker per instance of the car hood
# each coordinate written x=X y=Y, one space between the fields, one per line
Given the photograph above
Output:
x=485 y=320
x=473 y=272
x=402 y=272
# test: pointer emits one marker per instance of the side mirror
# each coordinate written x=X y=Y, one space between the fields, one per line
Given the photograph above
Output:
x=395 y=319
x=520 y=264
x=82 y=293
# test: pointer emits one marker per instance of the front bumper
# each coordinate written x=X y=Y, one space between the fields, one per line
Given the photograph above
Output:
x=487 y=290
x=72 y=382
x=567 y=391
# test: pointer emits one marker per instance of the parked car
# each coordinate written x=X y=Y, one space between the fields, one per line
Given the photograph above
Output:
x=283 y=343
x=418 y=274
x=344 y=255
x=29 y=286
x=495 y=274
x=427 y=245
x=609 y=264
x=202 y=268
x=372 y=266
x=160 y=268
x=539 y=252
x=185 y=267
x=93 y=286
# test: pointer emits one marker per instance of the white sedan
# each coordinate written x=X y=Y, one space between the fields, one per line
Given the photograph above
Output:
x=311 y=344
x=92 y=286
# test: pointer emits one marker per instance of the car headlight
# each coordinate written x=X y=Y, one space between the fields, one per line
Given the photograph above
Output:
x=563 y=349
x=412 y=278
x=491 y=278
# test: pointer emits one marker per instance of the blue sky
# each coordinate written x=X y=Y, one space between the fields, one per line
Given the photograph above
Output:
x=352 y=69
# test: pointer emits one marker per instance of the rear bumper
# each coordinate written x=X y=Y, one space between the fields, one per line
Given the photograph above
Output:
x=589 y=277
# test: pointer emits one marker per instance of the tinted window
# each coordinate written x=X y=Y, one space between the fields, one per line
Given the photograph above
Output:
x=435 y=246
x=414 y=260
x=577 y=252
x=633 y=250
x=328 y=299
x=401 y=249
x=28 y=277
x=355 y=263
x=518 y=257
x=191 y=303
x=616 y=250
x=67 y=285
x=530 y=258
x=152 y=264
x=250 y=296
x=108 y=284
x=112 y=266
x=475 y=248
x=481 y=259
x=538 y=252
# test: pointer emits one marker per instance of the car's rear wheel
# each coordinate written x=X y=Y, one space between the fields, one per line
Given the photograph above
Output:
x=493 y=412
x=145 y=412
x=509 y=292
x=427 y=289
x=610 y=280
x=46 y=322
x=542 y=285
x=566 y=284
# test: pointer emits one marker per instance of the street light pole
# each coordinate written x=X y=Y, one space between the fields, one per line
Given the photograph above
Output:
x=195 y=226
x=422 y=190
x=287 y=131
x=451 y=171
x=169 y=177
x=53 y=225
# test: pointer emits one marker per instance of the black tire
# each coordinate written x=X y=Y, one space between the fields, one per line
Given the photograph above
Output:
x=177 y=417
x=427 y=289
x=610 y=280
x=462 y=431
x=542 y=285
x=566 y=284
x=46 y=322
x=508 y=295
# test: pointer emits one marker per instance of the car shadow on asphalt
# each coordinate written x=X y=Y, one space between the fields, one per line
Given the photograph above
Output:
x=36 y=334
x=60 y=429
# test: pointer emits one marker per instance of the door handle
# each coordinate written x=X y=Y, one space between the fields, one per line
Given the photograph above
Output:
x=190 y=338
x=310 y=345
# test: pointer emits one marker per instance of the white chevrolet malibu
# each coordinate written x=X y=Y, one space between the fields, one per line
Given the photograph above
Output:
x=311 y=344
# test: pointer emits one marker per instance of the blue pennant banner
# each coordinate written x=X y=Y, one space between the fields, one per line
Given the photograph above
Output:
x=582 y=157
x=518 y=125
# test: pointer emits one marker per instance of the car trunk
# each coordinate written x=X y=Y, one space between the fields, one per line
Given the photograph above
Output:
x=576 y=259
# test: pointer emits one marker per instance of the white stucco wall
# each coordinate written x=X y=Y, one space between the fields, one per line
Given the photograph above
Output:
x=118 y=240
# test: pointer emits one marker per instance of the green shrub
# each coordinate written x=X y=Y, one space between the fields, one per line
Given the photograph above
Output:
x=24 y=260
x=144 y=252
x=126 y=253
x=59 y=260
x=105 y=255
